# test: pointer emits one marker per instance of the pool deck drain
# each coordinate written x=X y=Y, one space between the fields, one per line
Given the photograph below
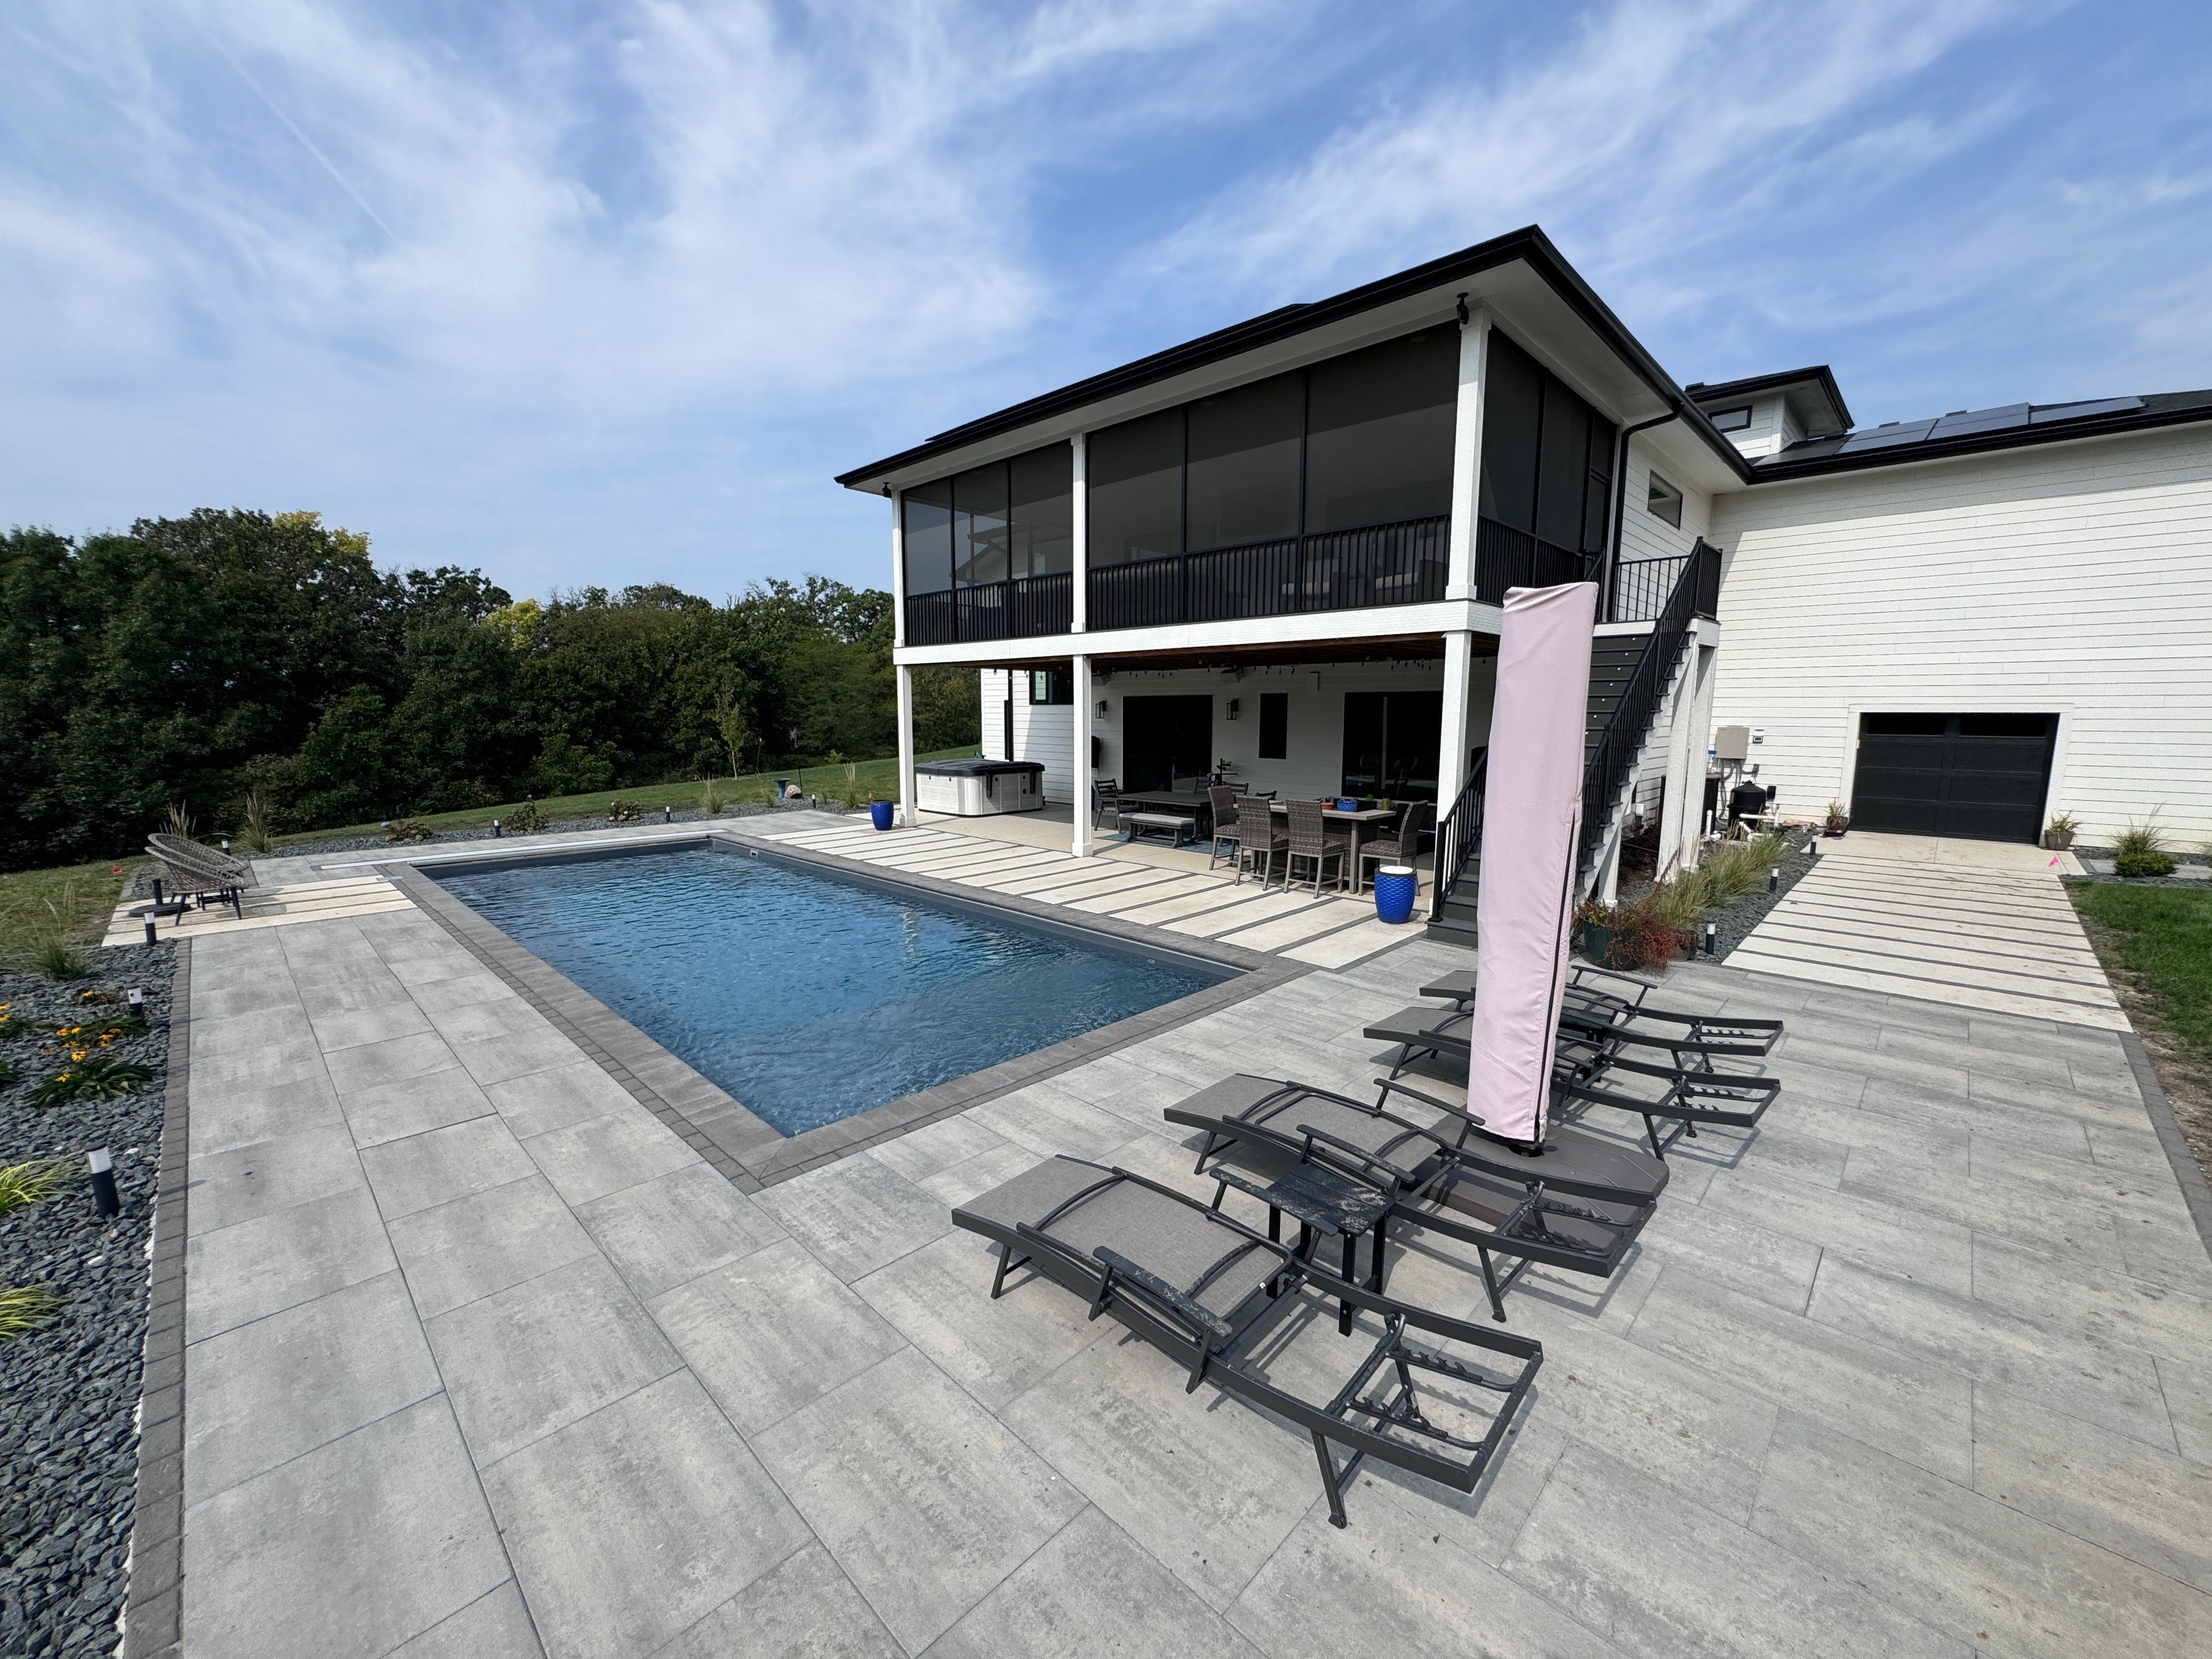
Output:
x=482 y=1357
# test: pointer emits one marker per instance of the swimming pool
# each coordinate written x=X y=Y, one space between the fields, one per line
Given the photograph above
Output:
x=807 y=996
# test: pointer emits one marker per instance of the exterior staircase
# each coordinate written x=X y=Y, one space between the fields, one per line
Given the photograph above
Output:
x=1632 y=676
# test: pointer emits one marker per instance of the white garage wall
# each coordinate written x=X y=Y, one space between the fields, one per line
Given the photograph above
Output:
x=2074 y=578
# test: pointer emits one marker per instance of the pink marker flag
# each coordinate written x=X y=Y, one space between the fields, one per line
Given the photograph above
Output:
x=1531 y=820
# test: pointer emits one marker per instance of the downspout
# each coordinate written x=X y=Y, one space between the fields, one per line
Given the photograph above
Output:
x=1621 y=496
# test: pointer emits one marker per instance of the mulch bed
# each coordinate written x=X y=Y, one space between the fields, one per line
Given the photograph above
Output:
x=69 y=1387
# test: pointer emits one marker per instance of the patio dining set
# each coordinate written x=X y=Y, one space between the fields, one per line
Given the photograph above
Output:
x=1307 y=842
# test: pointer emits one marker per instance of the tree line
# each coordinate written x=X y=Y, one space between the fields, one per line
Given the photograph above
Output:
x=198 y=659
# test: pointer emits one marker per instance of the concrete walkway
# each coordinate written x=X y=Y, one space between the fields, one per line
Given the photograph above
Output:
x=1976 y=924
x=1137 y=883
x=484 y=1362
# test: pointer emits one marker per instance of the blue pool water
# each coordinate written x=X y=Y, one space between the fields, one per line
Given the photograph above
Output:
x=809 y=997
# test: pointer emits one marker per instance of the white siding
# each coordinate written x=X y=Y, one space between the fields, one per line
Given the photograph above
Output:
x=1315 y=764
x=1643 y=534
x=2070 y=578
x=1041 y=729
x=1771 y=425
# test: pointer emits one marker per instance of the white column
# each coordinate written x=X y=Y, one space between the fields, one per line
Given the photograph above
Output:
x=906 y=808
x=1080 y=563
x=1079 y=736
x=1467 y=455
x=1451 y=747
x=898 y=568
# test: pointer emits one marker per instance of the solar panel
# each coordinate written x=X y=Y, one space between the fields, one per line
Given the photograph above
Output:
x=1981 y=420
x=1881 y=437
x=2050 y=412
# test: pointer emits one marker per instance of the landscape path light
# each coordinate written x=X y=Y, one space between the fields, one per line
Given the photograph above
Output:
x=105 y=1200
x=1712 y=938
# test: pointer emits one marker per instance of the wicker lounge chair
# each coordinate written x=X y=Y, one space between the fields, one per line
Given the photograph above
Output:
x=1239 y=1310
x=201 y=873
x=1591 y=1071
x=1261 y=1135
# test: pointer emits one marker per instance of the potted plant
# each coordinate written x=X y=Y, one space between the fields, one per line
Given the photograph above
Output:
x=1595 y=921
x=2058 y=835
x=1839 y=819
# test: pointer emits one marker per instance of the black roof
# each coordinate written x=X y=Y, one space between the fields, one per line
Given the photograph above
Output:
x=1528 y=245
x=1971 y=431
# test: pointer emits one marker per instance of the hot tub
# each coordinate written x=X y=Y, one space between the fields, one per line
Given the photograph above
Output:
x=977 y=788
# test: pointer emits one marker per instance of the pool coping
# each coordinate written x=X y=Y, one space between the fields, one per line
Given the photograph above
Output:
x=747 y=1151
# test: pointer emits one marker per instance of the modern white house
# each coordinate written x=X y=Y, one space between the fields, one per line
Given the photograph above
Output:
x=1282 y=548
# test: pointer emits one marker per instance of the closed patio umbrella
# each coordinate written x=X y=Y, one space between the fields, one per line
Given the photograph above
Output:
x=1532 y=819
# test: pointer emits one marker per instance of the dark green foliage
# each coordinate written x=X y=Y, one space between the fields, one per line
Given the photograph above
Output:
x=96 y=1076
x=231 y=655
x=2143 y=864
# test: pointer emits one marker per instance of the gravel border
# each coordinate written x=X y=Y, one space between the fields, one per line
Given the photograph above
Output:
x=70 y=1388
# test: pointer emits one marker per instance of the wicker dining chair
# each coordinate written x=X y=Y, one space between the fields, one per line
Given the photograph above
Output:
x=1401 y=847
x=1257 y=837
x=1106 y=800
x=1224 y=824
x=1310 y=840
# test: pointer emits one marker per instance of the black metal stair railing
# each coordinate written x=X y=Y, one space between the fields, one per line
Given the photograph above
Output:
x=1459 y=837
x=1614 y=757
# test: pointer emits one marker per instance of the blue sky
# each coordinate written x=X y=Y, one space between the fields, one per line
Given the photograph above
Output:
x=605 y=292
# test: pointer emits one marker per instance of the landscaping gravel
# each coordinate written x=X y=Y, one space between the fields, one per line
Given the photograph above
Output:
x=69 y=1387
x=1745 y=911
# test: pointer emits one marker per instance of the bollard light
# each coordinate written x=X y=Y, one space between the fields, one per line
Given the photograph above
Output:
x=149 y=931
x=1774 y=878
x=664 y=814
x=226 y=844
x=157 y=890
x=136 y=996
x=495 y=829
x=1712 y=938
x=104 y=1198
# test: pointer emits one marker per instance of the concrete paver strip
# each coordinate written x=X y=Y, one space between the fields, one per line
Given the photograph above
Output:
x=1941 y=1316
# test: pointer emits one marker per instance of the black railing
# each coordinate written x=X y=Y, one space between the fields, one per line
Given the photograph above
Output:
x=1614 y=757
x=1505 y=557
x=1641 y=588
x=1402 y=563
x=1017 y=610
x=1459 y=837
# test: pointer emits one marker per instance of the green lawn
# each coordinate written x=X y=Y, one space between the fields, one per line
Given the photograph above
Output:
x=878 y=777
x=2164 y=935
x=77 y=899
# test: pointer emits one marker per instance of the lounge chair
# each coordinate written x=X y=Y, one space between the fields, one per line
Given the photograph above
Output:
x=1262 y=1135
x=202 y=872
x=1239 y=1310
x=1590 y=1070
x=1592 y=1007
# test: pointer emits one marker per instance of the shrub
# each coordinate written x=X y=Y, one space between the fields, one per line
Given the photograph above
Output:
x=853 y=796
x=22 y=1185
x=90 y=1076
x=2143 y=864
x=622 y=812
x=524 y=820
x=409 y=829
x=712 y=800
x=178 y=822
x=52 y=956
x=24 y=1307
x=2144 y=838
x=257 y=833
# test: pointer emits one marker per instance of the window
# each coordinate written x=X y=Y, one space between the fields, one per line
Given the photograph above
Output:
x=1052 y=685
x=1012 y=518
x=1546 y=455
x=1379 y=433
x=1363 y=439
x=1390 y=743
x=1732 y=420
x=928 y=509
x=1134 y=489
x=1274 y=726
x=1242 y=481
x=1664 y=501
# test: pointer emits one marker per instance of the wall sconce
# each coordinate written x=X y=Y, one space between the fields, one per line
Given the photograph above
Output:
x=1102 y=708
x=1232 y=709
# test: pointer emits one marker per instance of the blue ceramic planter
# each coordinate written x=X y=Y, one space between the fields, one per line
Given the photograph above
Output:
x=879 y=813
x=1395 y=887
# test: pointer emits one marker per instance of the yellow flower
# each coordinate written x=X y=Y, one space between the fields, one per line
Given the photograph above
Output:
x=76 y=1053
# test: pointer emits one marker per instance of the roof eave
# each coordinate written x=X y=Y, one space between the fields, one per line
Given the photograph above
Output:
x=1979 y=443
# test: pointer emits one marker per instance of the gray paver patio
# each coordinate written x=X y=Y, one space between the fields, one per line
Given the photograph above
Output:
x=484 y=1361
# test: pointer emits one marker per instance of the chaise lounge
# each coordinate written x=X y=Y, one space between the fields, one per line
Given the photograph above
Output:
x=1243 y=1312
x=1591 y=1007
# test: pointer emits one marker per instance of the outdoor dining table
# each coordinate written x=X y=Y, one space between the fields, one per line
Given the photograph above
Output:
x=1199 y=806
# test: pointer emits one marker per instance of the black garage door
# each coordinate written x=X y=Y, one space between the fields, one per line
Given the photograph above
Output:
x=1981 y=777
